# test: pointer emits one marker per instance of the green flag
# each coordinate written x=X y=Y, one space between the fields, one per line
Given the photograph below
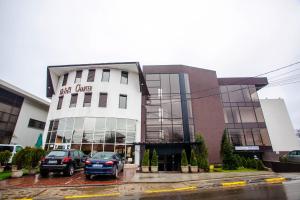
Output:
x=39 y=141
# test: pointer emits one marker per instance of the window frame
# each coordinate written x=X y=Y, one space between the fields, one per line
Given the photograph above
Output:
x=123 y=77
x=105 y=71
x=72 y=105
x=60 y=102
x=102 y=94
x=77 y=77
x=91 y=77
x=65 y=79
x=123 y=95
x=85 y=104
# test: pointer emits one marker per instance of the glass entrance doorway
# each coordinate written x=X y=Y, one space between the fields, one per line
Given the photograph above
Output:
x=169 y=162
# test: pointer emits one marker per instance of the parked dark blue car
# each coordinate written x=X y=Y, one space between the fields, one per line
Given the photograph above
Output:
x=104 y=163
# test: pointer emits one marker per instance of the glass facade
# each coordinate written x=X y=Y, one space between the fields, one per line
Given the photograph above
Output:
x=93 y=134
x=10 y=106
x=169 y=115
x=243 y=116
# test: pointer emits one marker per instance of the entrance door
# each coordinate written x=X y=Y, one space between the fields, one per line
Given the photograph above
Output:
x=169 y=162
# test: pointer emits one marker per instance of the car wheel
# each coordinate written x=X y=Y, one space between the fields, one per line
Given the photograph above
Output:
x=69 y=171
x=88 y=176
x=44 y=173
x=116 y=173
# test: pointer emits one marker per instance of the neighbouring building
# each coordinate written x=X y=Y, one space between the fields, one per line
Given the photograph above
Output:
x=96 y=107
x=297 y=131
x=118 y=107
x=280 y=127
x=185 y=101
x=22 y=116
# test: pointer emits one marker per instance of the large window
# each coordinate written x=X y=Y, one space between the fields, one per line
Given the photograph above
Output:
x=102 y=99
x=65 y=79
x=123 y=101
x=243 y=115
x=36 y=124
x=124 y=77
x=87 y=100
x=164 y=117
x=105 y=75
x=78 y=76
x=91 y=75
x=73 y=101
x=60 y=101
x=92 y=134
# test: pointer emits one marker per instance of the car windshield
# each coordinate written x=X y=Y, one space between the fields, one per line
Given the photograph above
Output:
x=57 y=153
x=8 y=148
x=103 y=155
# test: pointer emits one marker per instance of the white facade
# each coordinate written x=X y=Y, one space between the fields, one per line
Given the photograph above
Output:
x=87 y=122
x=23 y=134
x=32 y=108
x=279 y=125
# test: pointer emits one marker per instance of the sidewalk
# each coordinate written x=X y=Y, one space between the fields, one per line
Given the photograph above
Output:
x=146 y=183
x=162 y=177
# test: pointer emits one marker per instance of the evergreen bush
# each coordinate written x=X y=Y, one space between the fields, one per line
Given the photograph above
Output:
x=201 y=153
x=145 y=161
x=154 y=160
x=238 y=160
x=229 y=159
x=4 y=157
x=193 y=159
x=252 y=163
x=184 y=161
x=36 y=155
x=259 y=165
x=244 y=162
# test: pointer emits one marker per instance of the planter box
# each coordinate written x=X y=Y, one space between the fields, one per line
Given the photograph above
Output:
x=145 y=168
x=201 y=170
x=16 y=173
x=184 y=169
x=194 y=169
x=154 y=168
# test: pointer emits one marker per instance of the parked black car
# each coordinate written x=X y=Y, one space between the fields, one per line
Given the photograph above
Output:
x=63 y=160
x=104 y=163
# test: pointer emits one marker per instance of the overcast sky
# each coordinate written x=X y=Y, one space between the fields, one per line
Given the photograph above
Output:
x=235 y=38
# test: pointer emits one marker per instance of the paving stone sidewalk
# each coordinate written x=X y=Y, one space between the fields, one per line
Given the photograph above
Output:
x=139 y=183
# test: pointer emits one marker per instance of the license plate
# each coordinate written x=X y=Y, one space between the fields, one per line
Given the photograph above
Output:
x=52 y=161
x=97 y=165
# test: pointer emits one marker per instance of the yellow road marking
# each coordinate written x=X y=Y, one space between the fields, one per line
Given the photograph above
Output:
x=25 y=199
x=171 y=190
x=91 y=195
x=236 y=183
x=275 y=180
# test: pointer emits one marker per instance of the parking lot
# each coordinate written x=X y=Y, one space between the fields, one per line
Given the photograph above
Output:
x=58 y=180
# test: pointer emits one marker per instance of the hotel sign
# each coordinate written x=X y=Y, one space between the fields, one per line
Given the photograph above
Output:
x=78 y=88
x=247 y=148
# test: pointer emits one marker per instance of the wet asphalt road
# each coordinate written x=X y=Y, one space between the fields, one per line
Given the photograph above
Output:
x=288 y=190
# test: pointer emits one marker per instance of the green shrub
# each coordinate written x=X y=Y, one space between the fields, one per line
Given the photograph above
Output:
x=21 y=158
x=238 y=160
x=201 y=153
x=184 y=161
x=154 y=160
x=4 y=157
x=36 y=155
x=193 y=159
x=28 y=157
x=145 y=161
x=229 y=159
x=244 y=162
x=259 y=165
x=252 y=163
